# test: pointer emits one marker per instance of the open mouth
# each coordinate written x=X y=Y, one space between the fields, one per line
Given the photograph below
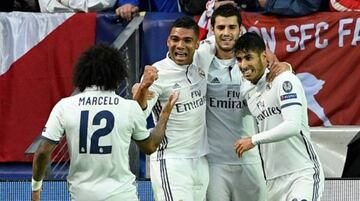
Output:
x=180 y=55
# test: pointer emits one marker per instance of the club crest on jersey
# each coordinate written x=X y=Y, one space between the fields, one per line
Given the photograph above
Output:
x=201 y=73
x=287 y=86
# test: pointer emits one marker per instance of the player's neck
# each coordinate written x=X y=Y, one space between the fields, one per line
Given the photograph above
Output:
x=224 y=54
x=256 y=81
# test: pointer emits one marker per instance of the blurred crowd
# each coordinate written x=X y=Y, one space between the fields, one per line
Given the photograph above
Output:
x=129 y=8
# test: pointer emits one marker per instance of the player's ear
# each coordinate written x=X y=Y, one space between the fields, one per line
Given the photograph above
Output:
x=197 y=44
x=168 y=41
x=263 y=56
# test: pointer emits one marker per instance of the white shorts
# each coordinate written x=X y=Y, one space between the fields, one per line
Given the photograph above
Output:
x=130 y=195
x=306 y=185
x=179 y=179
x=244 y=182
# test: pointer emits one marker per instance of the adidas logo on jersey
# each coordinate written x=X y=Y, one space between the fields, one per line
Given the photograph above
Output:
x=176 y=86
x=215 y=80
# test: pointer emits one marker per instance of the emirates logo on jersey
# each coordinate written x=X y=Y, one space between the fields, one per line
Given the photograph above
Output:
x=268 y=112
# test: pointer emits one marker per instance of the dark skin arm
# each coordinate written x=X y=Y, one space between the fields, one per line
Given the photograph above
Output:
x=41 y=160
x=150 y=145
x=141 y=91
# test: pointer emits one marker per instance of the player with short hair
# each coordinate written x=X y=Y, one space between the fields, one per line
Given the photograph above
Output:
x=179 y=169
x=292 y=167
x=98 y=125
x=228 y=116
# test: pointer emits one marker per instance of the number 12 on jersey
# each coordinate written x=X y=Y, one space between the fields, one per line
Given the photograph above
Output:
x=101 y=132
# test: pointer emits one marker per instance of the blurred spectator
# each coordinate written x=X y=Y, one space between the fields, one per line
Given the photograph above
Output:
x=53 y=6
x=344 y=5
x=7 y=5
x=129 y=8
x=19 y=5
x=293 y=8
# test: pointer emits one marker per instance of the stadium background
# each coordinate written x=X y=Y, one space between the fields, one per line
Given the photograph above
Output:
x=323 y=48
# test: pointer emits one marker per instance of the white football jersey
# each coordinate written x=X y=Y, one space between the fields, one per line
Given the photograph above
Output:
x=185 y=135
x=98 y=126
x=228 y=117
x=280 y=109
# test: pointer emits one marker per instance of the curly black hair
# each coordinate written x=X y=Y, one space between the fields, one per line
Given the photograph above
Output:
x=101 y=66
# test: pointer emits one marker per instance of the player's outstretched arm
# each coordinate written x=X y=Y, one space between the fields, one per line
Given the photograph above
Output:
x=150 y=145
x=41 y=160
x=141 y=91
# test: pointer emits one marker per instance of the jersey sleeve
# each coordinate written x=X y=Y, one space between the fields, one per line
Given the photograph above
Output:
x=291 y=99
x=54 y=127
x=139 y=132
x=205 y=54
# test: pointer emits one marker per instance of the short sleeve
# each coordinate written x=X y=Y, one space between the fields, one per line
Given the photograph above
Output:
x=54 y=128
x=140 y=132
x=290 y=91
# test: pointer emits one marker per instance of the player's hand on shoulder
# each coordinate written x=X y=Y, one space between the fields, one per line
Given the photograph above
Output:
x=276 y=68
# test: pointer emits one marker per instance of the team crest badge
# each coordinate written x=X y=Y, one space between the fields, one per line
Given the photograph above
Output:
x=287 y=86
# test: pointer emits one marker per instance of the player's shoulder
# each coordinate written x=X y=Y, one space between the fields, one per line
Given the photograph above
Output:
x=207 y=46
x=164 y=64
x=286 y=79
x=208 y=41
x=287 y=75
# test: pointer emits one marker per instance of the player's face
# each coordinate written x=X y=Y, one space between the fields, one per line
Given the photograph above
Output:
x=251 y=64
x=182 y=43
x=226 y=31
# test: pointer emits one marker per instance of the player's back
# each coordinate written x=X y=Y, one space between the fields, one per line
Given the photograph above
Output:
x=99 y=126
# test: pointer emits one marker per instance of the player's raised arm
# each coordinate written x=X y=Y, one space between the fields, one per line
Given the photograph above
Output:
x=149 y=76
x=150 y=145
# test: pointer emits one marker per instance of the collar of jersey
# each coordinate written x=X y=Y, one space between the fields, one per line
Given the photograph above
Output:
x=93 y=88
x=224 y=63
x=262 y=80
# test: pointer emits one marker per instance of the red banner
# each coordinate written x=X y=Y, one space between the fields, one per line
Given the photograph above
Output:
x=39 y=78
x=324 y=50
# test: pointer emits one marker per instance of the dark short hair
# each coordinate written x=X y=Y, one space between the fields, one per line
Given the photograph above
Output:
x=226 y=10
x=101 y=66
x=250 y=41
x=187 y=23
